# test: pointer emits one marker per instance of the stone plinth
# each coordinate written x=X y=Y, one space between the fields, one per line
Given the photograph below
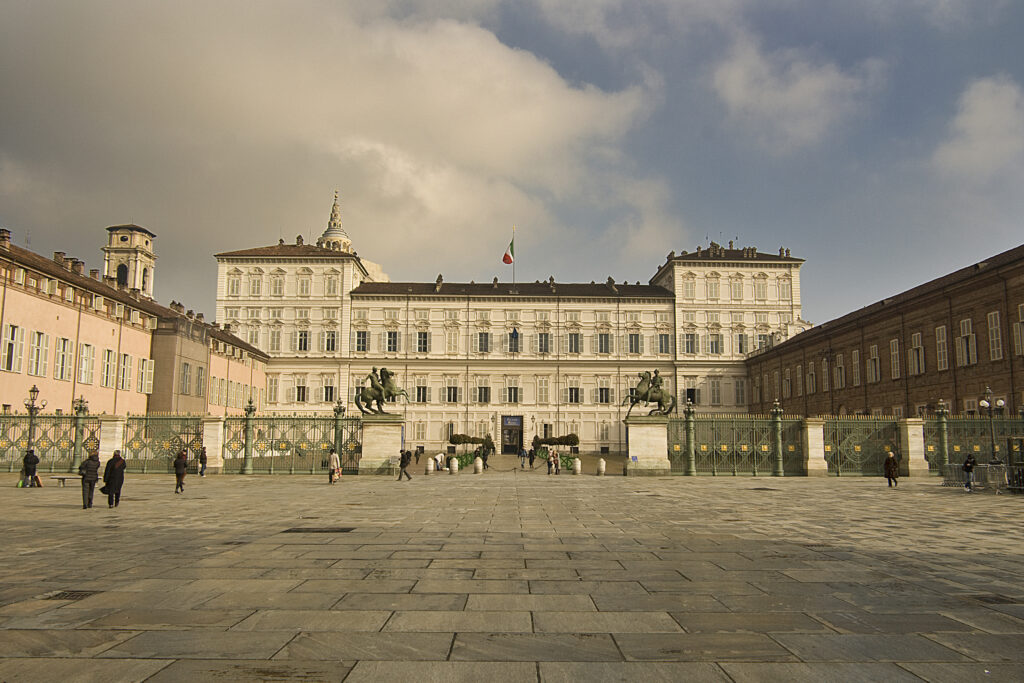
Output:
x=648 y=446
x=814 y=447
x=914 y=462
x=382 y=443
x=111 y=436
x=213 y=441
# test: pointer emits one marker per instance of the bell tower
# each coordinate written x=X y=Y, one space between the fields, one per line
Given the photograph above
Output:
x=129 y=257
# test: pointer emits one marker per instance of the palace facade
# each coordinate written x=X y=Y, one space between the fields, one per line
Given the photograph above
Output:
x=542 y=358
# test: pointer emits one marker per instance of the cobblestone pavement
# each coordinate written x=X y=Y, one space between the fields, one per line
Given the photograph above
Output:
x=512 y=577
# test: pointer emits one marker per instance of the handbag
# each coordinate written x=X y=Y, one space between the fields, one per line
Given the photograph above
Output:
x=105 y=489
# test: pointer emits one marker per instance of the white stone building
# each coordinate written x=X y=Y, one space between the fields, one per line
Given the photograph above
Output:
x=545 y=358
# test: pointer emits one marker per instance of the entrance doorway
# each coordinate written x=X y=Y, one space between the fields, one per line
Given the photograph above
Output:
x=511 y=434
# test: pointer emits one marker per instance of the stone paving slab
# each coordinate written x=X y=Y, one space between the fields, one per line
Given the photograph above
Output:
x=512 y=577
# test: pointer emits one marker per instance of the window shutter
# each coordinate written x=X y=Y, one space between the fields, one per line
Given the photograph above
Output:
x=291 y=394
x=319 y=394
x=522 y=394
x=592 y=343
x=475 y=394
x=1018 y=339
x=428 y=394
x=593 y=395
x=320 y=341
x=611 y=395
x=474 y=342
x=3 y=351
x=564 y=342
x=972 y=348
x=458 y=395
x=534 y=346
x=44 y=355
x=19 y=349
x=565 y=394
x=642 y=343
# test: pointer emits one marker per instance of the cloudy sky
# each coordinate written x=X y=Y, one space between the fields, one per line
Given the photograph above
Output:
x=881 y=141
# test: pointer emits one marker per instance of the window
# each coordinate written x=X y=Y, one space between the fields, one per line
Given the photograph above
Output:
x=39 y=352
x=511 y=315
x=544 y=342
x=513 y=341
x=186 y=378
x=941 y=352
x=422 y=342
x=915 y=355
x=145 y=385
x=689 y=342
x=811 y=380
x=512 y=389
x=301 y=390
x=420 y=431
x=305 y=284
x=330 y=314
x=574 y=341
x=763 y=341
x=715 y=344
x=785 y=290
x=359 y=314
x=603 y=316
x=124 y=376
x=1018 y=332
x=635 y=343
x=451 y=341
x=855 y=366
x=761 y=318
x=271 y=389
x=302 y=314
x=604 y=395
x=331 y=288
x=689 y=288
x=633 y=316
x=109 y=375
x=824 y=374
x=483 y=315
x=740 y=388
x=234 y=285
x=839 y=373
x=254 y=336
x=691 y=394
x=255 y=285
x=894 y=358
x=422 y=314
x=63 y=359
x=391 y=314
x=362 y=340
x=483 y=342
x=689 y=317
x=873 y=365
x=452 y=393
x=572 y=390
x=200 y=381
x=787 y=384
x=391 y=341
x=603 y=430
x=483 y=390
x=742 y=343
x=664 y=343
x=330 y=340
x=275 y=339
x=760 y=289
x=422 y=391
x=995 y=337
x=572 y=316
x=276 y=289
x=604 y=342
x=451 y=314
x=737 y=289
x=302 y=340
x=713 y=289
x=543 y=316
x=328 y=389
x=542 y=390
x=715 y=388
x=966 y=349
x=86 y=357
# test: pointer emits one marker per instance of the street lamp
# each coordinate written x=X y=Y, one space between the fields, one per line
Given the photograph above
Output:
x=986 y=403
x=33 y=409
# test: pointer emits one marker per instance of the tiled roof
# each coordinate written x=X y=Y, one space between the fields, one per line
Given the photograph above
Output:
x=522 y=289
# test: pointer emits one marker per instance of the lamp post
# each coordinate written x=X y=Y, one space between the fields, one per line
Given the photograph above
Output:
x=81 y=408
x=986 y=403
x=33 y=409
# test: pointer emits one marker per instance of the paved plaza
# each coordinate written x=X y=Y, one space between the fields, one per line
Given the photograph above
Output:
x=512 y=576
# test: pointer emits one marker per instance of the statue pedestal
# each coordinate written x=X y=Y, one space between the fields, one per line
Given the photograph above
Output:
x=382 y=443
x=648 y=446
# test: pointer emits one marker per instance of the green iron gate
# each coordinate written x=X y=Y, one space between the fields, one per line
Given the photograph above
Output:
x=53 y=440
x=151 y=442
x=856 y=445
x=293 y=445
x=734 y=445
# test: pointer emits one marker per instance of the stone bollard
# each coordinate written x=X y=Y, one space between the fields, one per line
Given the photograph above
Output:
x=600 y=467
x=478 y=466
x=430 y=466
x=577 y=466
x=453 y=465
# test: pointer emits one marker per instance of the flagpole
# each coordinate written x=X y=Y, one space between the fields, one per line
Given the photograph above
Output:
x=513 y=256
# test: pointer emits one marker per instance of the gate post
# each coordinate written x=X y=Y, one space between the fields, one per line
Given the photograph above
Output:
x=213 y=442
x=814 y=447
x=250 y=411
x=691 y=446
x=777 y=438
x=339 y=430
x=943 y=413
x=81 y=410
x=111 y=435
x=912 y=446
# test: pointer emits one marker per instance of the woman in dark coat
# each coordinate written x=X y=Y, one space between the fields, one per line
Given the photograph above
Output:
x=892 y=469
x=90 y=472
x=113 y=479
x=29 y=462
x=180 y=467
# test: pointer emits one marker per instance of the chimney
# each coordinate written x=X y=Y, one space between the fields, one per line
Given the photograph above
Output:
x=227 y=327
x=191 y=314
x=77 y=266
x=58 y=258
x=94 y=273
x=134 y=293
x=199 y=317
x=787 y=252
x=5 y=238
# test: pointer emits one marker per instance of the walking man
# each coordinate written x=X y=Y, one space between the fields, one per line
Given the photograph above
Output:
x=90 y=473
x=532 y=456
x=180 y=467
x=202 y=461
x=404 y=464
x=113 y=479
x=29 y=462
x=968 y=466
x=892 y=469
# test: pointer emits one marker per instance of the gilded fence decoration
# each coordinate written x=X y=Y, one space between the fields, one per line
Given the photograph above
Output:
x=52 y=438
x=857 y=445
x=293 y=444
x=151 y=442
x=736 y=445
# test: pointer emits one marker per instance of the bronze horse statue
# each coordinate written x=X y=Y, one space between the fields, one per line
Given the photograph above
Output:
x=648 y=390
x=382 y=388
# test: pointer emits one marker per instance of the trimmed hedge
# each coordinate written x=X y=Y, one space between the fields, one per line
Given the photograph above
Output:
x=567 y=440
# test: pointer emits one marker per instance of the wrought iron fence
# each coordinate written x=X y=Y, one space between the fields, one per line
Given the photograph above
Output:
x=735 y=445
x=857 y=445
x=52 y=437
x=293 y=444
x=973 y=434
x=151 y=442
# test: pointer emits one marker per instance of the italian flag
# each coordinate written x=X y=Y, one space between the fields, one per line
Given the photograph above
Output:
x=510 y=253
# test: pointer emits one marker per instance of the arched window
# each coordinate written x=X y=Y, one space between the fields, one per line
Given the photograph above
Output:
x=122 y=274
x=145 y=279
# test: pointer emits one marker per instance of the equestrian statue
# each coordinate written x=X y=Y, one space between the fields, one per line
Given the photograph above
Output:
x=649 y=390
x=382 y=389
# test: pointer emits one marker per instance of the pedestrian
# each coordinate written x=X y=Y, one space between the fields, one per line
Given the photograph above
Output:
x=403 y=464
x=113 y=479
x=522 y=458
x=333 y=467
x=892 y=469
x=89 y=470
x=969 y=463
x=202 y=461
x=551 y=462
x=180 y=467
x=484 y=452
x=532 y=456
x=29 y=463
x=419 y=449
x=558 y=462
